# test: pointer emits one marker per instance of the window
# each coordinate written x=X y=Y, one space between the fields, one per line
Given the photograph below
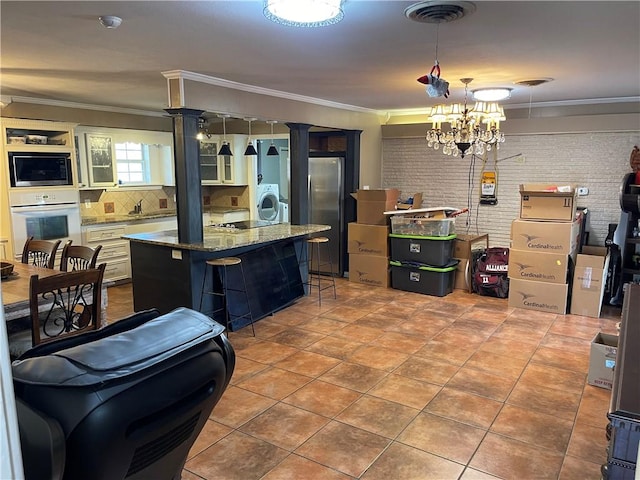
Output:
x=132 y=160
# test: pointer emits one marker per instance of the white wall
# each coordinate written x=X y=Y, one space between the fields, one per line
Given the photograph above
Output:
x=597 y=161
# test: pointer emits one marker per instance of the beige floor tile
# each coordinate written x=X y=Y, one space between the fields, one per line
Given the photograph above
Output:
x=238 y=406
x=378 y=416
x=553 y=377
x=588 y=443
x=533 y=427
x=297 y=337
x=501 y=365
x=323 y=398
x=564 y=404
x=407 y=463
x=285 y=426
x=275 y=383
x=296 y=467
x=356 y=377
x=307 y=363
x=406 y=391
x=347 y=449
x=485 y=384
x=464 y=407
x=236 y=457
x=578 y=469
x=267 y=352
x=210 y=434
x=508 y=458
x=443 y=437
x=378 y=357
x=340 y=348
x=427 y=370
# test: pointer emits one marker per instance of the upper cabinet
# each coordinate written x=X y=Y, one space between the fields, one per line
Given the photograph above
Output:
x=38 y=139
x=110 y=157
x=223 y=169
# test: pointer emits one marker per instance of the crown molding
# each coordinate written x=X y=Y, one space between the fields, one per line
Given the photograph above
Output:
x=221 y=82
x=82 y=106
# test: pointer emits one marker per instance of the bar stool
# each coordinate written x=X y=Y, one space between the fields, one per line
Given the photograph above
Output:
x=221 y=266
x=315 y=279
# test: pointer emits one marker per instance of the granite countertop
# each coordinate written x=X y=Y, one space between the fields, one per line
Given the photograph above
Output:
x=223 y=209
x=113 y=218
x=218 y=239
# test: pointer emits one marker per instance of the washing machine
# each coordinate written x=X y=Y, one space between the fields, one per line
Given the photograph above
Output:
x=268 y=202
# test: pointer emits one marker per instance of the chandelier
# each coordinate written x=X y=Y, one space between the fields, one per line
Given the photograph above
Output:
x=466 y=134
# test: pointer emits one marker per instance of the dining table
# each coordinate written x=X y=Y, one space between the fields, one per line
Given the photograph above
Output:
x=14 y=289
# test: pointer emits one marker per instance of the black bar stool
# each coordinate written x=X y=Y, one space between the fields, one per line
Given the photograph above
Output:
x=315 y=262
x=221 y=265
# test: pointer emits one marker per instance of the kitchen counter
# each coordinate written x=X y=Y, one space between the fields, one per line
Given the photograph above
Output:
x=167 y=274
x=222 y=239
x=222 y=210
x=102 y=219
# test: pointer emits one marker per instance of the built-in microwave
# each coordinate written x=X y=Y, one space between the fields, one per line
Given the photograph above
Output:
x=40 y=169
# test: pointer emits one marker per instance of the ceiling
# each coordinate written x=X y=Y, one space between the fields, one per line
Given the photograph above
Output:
x=59 y=51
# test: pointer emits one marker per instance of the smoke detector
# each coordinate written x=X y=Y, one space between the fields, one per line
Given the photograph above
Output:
x=439 y=11
x=110 y=21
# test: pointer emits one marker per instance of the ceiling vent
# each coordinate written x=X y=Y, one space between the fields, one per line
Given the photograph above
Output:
x=439 y=11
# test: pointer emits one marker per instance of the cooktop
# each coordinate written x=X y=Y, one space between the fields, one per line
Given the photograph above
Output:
x=244 y=225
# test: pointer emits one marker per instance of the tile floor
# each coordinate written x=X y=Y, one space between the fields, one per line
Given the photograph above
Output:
x=390 y=385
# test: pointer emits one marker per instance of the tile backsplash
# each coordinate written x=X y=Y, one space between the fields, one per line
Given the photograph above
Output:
x=96 y=203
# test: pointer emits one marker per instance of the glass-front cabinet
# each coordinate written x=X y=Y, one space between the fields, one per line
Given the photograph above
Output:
x=101 y=160
x=223 y=169
x=209 y=168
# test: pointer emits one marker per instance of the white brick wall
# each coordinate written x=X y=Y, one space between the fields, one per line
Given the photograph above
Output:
x=597 y=161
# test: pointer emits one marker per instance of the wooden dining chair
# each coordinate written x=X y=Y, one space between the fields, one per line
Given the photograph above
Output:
x=78 y=257
x=41 y=253
x=72 y=301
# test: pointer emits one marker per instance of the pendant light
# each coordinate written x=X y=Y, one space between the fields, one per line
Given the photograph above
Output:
x=273 y=151
x=224 y=149
x=251 y=150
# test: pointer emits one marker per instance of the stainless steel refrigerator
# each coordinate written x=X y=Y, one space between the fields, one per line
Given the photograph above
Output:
x=325 y=205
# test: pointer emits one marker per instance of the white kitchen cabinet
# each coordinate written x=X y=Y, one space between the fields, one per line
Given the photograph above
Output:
x=97 y=162
x=101 y=160
x=227 y=217
x=223 y=169
x=115 y=250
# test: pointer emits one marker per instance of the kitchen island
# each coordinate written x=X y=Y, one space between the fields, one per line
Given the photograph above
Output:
x=167 y=274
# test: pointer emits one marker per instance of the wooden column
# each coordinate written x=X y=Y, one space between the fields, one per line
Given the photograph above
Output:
x=299 y=189
x=187 y=171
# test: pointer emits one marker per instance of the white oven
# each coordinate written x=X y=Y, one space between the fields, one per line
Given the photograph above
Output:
x=45 y=215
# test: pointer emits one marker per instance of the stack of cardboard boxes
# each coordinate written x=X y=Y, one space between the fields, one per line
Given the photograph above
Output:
x=544 y=244
x=368 y=238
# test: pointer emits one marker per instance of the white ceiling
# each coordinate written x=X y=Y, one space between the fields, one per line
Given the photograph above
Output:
x=59 y=51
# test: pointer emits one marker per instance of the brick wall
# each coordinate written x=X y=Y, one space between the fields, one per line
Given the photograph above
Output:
x=597 y=161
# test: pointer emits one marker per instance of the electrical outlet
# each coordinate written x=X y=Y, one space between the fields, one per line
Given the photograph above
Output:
x=582 y=191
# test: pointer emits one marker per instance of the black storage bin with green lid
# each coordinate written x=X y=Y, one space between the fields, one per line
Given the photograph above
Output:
x=432 y=251
x=437 y=281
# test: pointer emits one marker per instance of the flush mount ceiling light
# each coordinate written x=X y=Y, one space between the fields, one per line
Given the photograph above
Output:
x=110 y=21
x=304 y=13
x=491 y=94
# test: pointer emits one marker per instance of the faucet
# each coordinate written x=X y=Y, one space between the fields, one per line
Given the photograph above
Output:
x=138 y=207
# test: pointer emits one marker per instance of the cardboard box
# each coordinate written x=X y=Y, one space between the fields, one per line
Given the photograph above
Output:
x=540 y=201
x=541 y=267
x=368 y=239
x=589 y=279
x=417 y=203
x=548 y=237
x=540 y=296
x=371 y=205
x=602 y=360
x=461 y=274
x=464 y=244
x=369 y=269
